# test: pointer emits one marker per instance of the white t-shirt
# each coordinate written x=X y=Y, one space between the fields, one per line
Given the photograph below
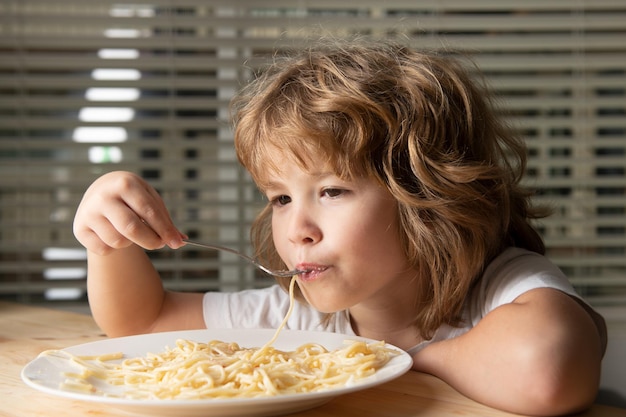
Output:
x=512 y=273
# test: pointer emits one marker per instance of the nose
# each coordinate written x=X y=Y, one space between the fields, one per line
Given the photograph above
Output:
x=303 y=228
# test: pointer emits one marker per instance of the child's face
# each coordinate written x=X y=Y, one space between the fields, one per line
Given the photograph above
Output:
x=346 y=232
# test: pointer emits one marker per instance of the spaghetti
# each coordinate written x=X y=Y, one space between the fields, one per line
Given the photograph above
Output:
x=217 y=369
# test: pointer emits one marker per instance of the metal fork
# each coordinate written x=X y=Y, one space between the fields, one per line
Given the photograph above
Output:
x=247 y=258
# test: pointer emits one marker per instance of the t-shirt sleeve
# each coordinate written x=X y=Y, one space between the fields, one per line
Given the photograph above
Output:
x=513 y=273
x=266 y=308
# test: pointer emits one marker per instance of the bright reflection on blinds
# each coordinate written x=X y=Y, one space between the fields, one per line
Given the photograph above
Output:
x=128 y=74
x=100 y=134
x=118 y=54
x=131 y=10
x=55 y=253
x=122 y=33
x=112 y=94
x=106 y=114
x=63 y=294
x=105 y=154
x=64 y=273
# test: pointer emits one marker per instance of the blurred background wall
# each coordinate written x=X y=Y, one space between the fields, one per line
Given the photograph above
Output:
x=88 y=87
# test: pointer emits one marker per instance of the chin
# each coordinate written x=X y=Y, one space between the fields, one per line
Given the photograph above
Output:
x=328 y=308
x=325 y=304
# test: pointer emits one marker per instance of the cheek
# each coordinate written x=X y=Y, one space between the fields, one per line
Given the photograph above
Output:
x=276 y=232
x=384 y=235
x=278 y=235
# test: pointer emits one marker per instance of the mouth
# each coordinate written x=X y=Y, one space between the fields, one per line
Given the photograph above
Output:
x=311 y=271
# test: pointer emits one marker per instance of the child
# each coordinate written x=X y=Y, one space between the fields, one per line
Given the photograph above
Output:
x=393 y=182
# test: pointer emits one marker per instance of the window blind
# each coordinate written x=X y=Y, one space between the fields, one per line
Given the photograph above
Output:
x=89 y=87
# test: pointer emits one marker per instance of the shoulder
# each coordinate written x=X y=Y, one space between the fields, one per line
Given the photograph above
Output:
x=514 y=272
x=510 y=274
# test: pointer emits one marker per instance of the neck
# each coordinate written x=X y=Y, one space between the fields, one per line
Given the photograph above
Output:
x=392 y=323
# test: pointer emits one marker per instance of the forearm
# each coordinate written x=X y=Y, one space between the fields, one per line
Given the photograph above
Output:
x=125 y=291
x=538 y=365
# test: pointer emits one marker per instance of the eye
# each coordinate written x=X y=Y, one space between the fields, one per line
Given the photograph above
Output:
x=333 y=192
x=280 y=200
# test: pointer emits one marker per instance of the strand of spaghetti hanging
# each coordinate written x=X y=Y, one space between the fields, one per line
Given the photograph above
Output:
x=292 y=302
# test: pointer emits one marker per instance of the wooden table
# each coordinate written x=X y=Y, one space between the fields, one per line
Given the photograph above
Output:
x=25 y=331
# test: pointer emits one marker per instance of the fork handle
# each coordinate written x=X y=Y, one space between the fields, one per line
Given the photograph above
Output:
x=218 y=247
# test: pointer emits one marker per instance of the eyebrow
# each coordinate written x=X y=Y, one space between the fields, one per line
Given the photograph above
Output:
x=317 y=174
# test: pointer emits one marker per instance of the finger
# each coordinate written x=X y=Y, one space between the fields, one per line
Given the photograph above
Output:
x=121 y=226
x=135 y=193
x=99 y=234
x=149 y=206
x=93 y=243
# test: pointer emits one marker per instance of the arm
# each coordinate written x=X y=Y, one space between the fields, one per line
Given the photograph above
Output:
x=120 y=215
x=126 y=296
x=539 y=355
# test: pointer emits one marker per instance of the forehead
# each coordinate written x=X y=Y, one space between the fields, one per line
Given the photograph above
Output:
x=281 y=164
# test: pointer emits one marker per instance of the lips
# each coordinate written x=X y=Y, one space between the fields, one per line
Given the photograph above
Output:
x=313 y=271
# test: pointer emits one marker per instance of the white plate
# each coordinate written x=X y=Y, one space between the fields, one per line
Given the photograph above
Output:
x=46 y=374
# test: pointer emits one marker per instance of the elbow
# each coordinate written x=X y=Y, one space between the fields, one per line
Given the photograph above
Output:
x=561 y=384
x=119 y=326
x=551 y=396
x=562 y=376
